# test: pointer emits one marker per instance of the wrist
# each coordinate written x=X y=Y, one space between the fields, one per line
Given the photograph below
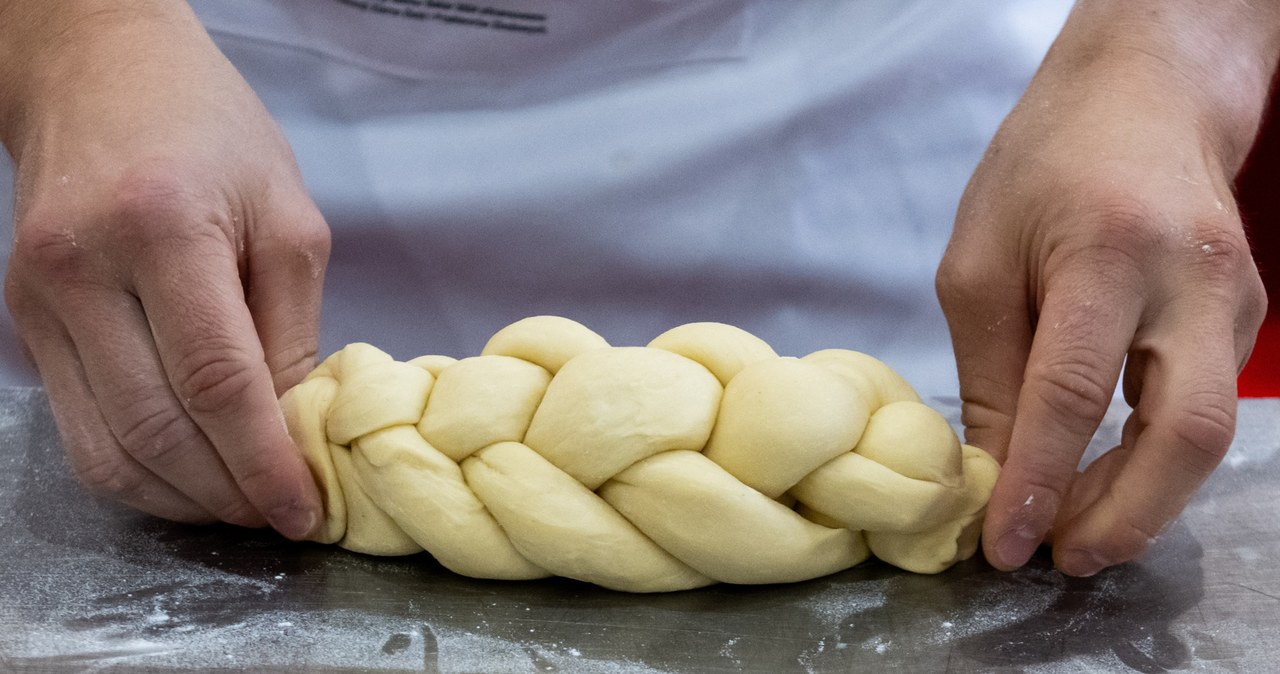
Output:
x=52 y=50
x=1210 y=62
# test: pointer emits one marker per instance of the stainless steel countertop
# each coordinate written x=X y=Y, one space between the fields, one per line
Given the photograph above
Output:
x=88 y=586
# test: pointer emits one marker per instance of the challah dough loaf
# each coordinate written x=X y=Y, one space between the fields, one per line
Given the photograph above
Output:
x=701 y=458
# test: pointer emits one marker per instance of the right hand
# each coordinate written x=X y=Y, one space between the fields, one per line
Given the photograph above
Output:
x=167 y=263
x=1098 y=243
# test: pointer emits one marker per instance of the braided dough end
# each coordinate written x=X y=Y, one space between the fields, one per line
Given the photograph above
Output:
x=937 y=549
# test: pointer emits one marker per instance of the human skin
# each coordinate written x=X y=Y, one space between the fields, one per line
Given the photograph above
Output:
x=1098 y=243
x=167 y=262
x=167 y=266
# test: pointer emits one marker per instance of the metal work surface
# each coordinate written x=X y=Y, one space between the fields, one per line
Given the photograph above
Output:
x=87 y=586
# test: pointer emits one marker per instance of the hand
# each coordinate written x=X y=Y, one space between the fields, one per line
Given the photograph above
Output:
x=167 y=264
x=1099 y=234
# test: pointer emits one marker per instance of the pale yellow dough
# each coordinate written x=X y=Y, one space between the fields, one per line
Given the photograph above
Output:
x=703 y=457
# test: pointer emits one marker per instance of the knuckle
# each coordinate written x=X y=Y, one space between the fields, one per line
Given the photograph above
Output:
x=1121 y=211
x=1124 y=220
x=156 y=208
x=1118 y=242
x=150 y=202
x=953 y=285
x=49 y=249
x=1254 y=303
x=213 y=379
x=1127 y=230
x=961 y=277
x=157 y=438
x=23 y=304
x=1073 y=386
x=952 y=274
x=107 y=475
x=153 y=191
x=294 y=362
x=1221 y=250
x=162 y=439
x=315 y=238
x=1204 y=432
x=968 y=293
x=301 y=250
x=986 y=416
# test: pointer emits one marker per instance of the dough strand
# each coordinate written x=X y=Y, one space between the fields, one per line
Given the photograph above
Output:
x=702 y=457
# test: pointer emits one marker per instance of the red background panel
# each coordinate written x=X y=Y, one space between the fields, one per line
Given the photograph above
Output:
x=1258 y=189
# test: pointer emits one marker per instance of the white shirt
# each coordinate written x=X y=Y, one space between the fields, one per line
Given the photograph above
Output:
x=792 y=168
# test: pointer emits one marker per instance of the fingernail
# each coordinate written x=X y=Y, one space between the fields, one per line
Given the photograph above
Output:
x=292 y=521
x=1015 y=547
x=1080 y=563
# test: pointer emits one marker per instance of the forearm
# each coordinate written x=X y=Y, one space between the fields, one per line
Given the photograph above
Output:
x=53 y=49
x=1212 y=60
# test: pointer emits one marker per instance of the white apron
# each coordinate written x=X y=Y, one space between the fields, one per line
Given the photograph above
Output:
x=792 y=167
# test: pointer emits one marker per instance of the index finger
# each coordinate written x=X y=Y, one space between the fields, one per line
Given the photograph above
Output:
x=1085 y=328
x=191 y=291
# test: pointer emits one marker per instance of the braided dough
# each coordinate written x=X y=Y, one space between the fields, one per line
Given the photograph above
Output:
x=703 y=457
